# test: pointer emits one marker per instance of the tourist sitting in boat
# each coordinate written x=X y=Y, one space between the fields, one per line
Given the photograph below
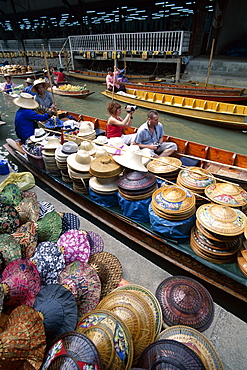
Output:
x=150 y=135
x=43 y=97
x=8 y=85
x=111 y=79
x=115 y=123
x=26 y=118
x=60 y=76
x=28 y=88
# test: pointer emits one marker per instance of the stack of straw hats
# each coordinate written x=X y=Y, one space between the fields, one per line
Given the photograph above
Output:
x=165 y=167
x=111 y=337
x=137 y=185
x=196 y=180
x=105 y=172
x=173 y=203
x=227 y=194
x=136 y=313
x=78 y=168
x=48 y=154
x=216 y=236
x=86 y=131
x=61 y=154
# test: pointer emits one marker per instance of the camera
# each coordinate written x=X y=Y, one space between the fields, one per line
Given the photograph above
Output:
x=131 y=108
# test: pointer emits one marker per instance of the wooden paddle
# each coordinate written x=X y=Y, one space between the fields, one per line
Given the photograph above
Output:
x=16 y=145
x=48 y=72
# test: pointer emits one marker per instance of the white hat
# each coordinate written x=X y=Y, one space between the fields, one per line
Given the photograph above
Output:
x=38 y=82
x=63 y=151
x=88 y=146
x=79 y=161
x=25 y=100
x=100 y=140
x=100 y=152
x=131 y=158
x=103 y=185
x=52 y=143
x=86 y=128
x=115 y=146
x=39 y=134
x=29 y=80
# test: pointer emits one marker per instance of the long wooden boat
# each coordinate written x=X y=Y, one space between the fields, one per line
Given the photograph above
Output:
x=227 y=277
x=204 y=84
x=101 y=76
x=72 y=94
x=226 y=94
x=31 y=74
x=209 y=112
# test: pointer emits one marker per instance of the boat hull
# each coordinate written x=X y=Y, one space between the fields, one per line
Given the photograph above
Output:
x=73 y=94
x=101 y=76
x=204 y=111
x=34 y=75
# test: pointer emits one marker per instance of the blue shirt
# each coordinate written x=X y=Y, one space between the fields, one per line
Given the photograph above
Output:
x=25 y=122
x=27 y=89
x=145 y=137
x=47 y=101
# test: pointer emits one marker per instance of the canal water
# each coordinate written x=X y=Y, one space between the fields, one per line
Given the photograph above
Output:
x=95 y=105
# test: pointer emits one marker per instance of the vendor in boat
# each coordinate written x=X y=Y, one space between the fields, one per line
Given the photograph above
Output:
x=60 y=76
x=150 y=135
x=43 y=97
x=26 y=118
x=111 y=79
x=8 y=85
x=116 y=123
x=28 y=88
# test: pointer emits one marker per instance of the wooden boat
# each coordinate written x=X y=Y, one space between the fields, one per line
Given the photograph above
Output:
x=203 y=84
x=32 y=74
x=72 y=94
x=224 y=115
x=228 y=278
x=101 y=76
x=223 y=94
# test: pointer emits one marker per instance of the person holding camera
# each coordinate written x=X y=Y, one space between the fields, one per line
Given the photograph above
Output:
x=116 y=123
x=150 y=135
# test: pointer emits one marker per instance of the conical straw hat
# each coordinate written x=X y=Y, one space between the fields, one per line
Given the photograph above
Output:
x=105 y=167
x=195 y=178
x=132 y=158
x=164 y=165
x=227 y=194
x=221 y=220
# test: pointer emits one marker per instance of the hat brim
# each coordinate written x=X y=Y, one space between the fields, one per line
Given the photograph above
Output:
x=31 y=104
x=59 y=153
x=77 y=166
x=127 y=161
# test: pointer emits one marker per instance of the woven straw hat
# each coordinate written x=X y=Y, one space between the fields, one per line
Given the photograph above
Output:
x=184 y=301
x=49 y=260
x=75 y=245
x=23 y=340
x=195 y=178
x=109 y=270
x=25 y=100
x=88 y=146
x=101 y=185
x=169 y=354
x=196 y=341
x=227 y=194
x=38 y=82
x=100 y=152
x=76 y=344
x=100 y=140
x=86 y=128
x=111 y=337
x=105 y=167
x=136 y=313
x=84 y=283
x=150 y=298
x=115 y=146
x=39 y=135
x=221 y=220
x=80 y=161
x=164 y=165
x=59 y=309
x=52 y=142
x=131 y=158
x=22 y=282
